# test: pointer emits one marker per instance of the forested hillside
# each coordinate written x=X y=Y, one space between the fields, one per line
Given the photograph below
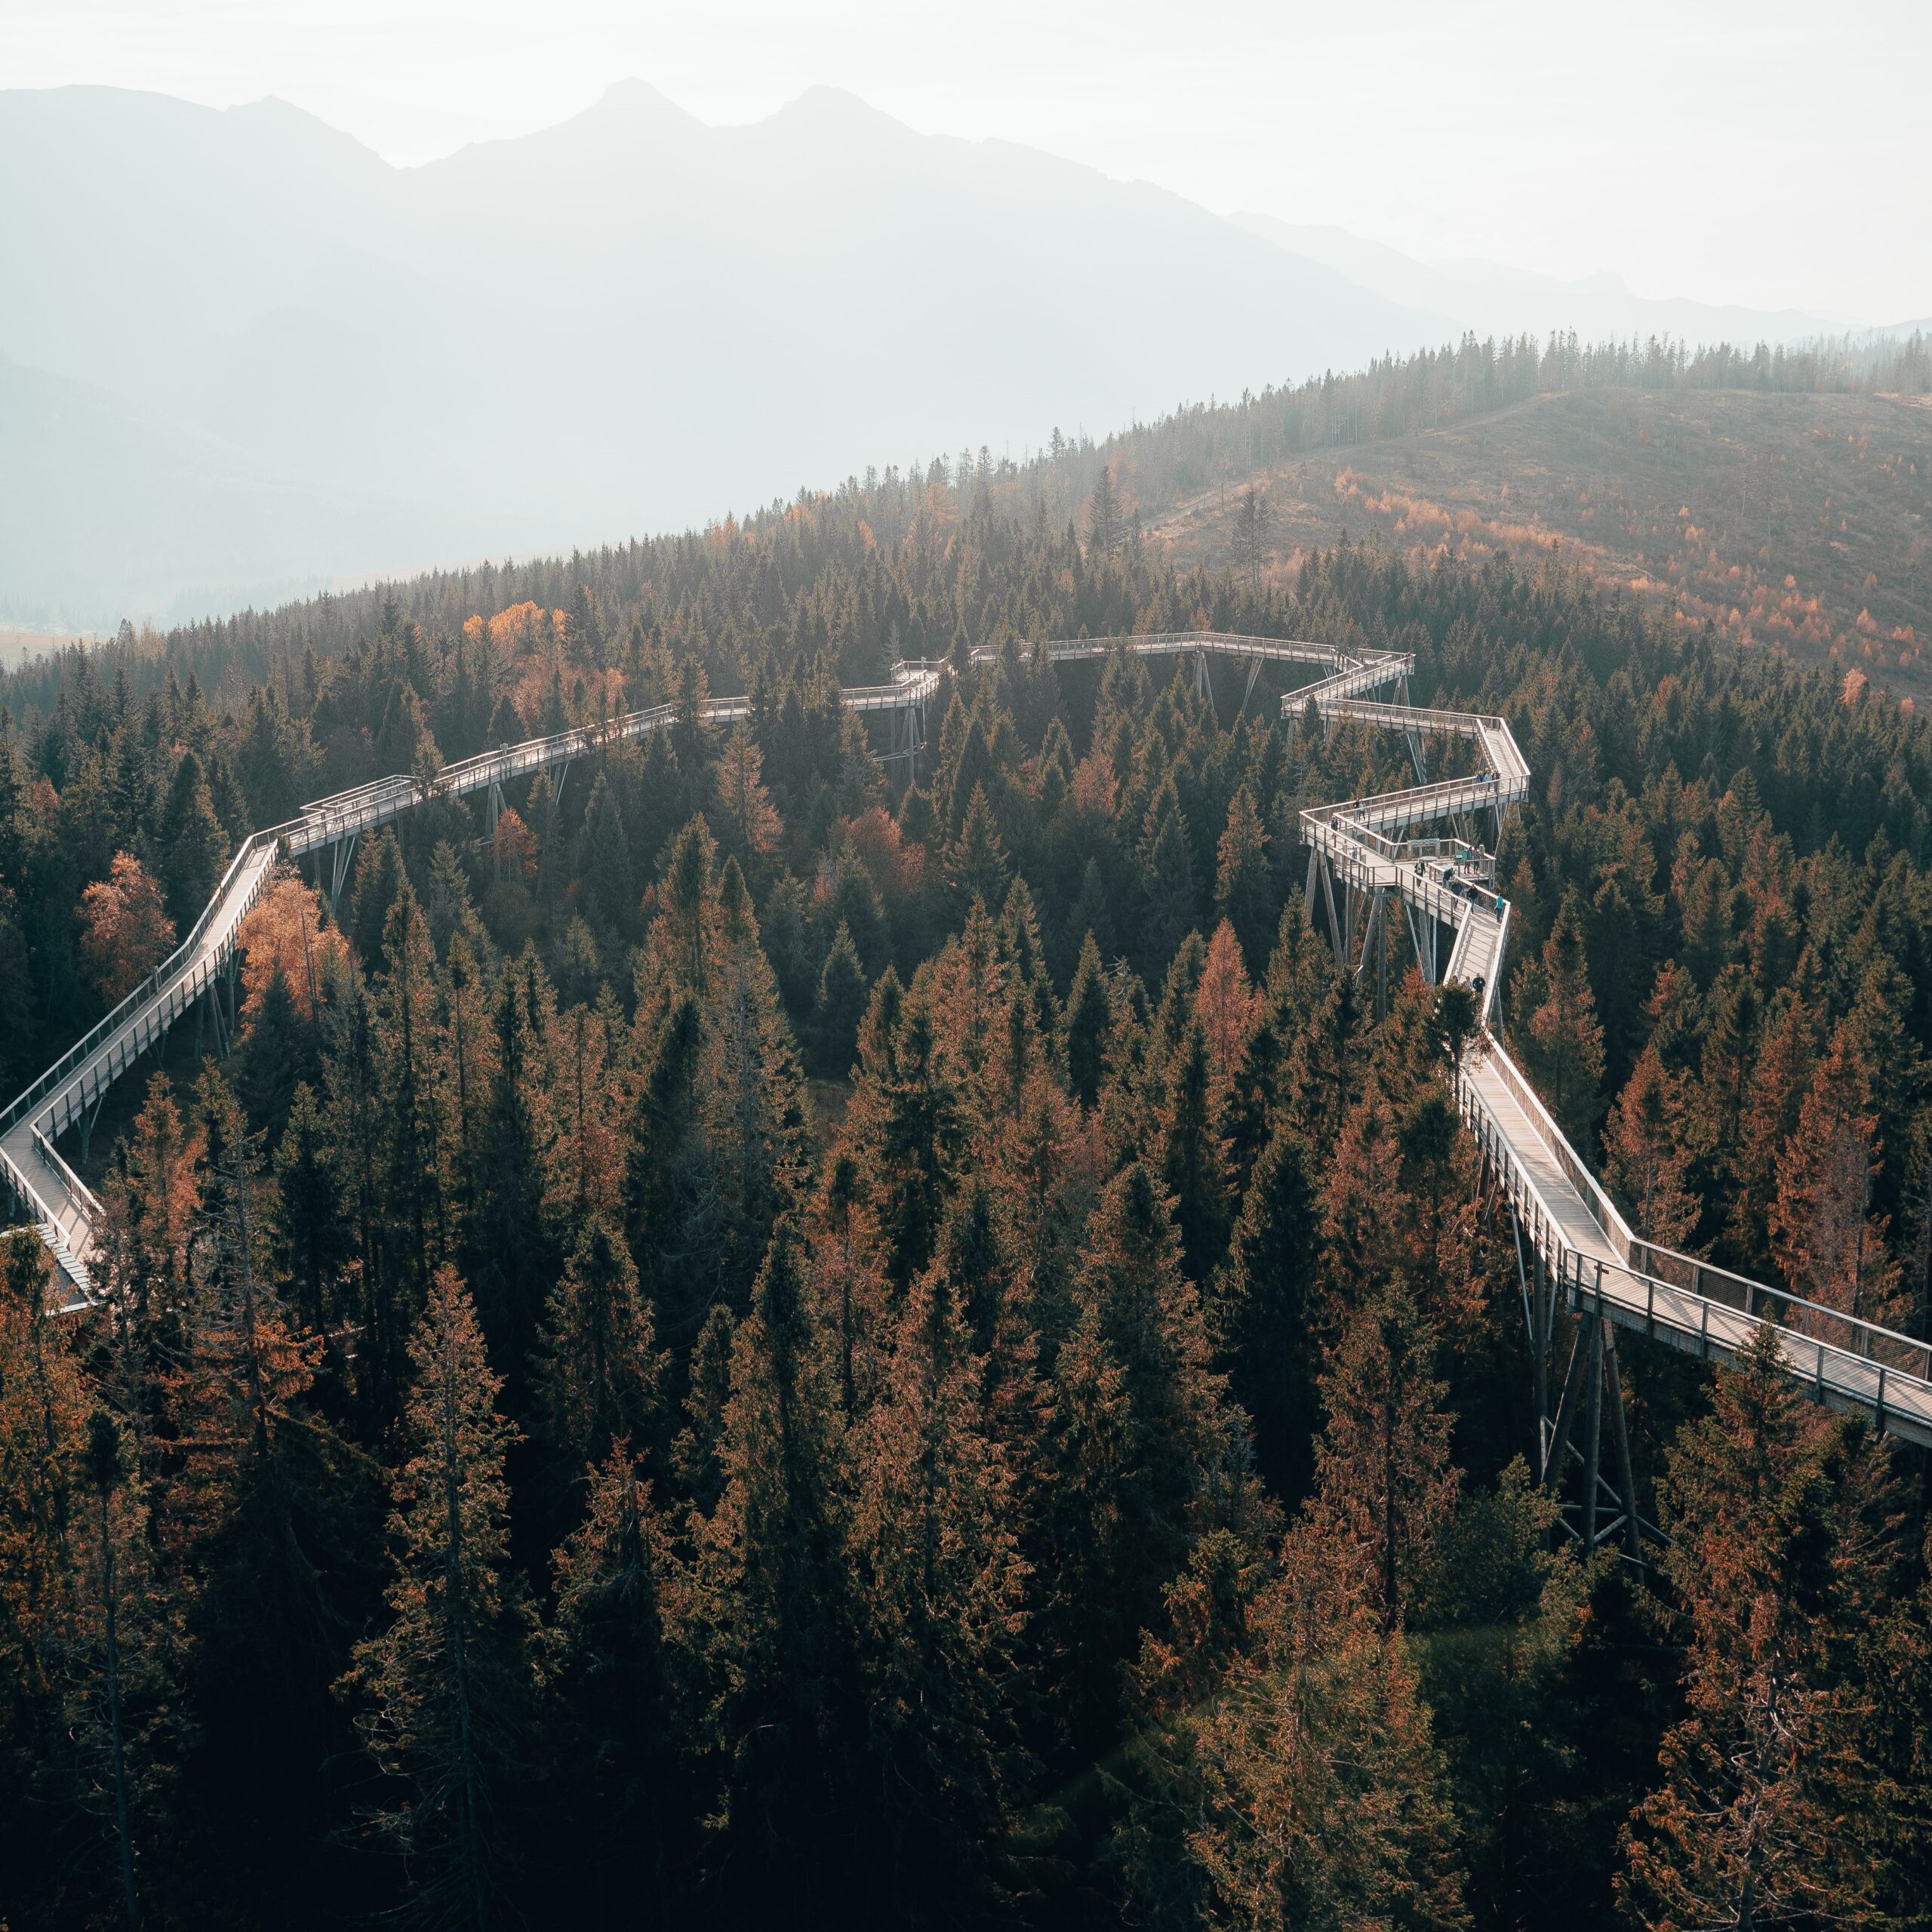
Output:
x=761 y=1343
x=1784 y=496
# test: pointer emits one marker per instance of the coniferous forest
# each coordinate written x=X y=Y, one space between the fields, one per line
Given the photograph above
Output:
x=774 y=1339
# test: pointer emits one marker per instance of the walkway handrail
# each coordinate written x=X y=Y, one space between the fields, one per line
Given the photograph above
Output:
x=18 y=1184
x=170 y=968
x=1602 y=1209
x=1502 y=1151
x=1853 y=1376
x=1869 y=1340
x=1486 y=1017
x=76 y=1190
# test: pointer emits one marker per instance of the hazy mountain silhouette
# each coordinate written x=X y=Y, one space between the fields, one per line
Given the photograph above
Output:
x=1491 y=299
x=297 y=362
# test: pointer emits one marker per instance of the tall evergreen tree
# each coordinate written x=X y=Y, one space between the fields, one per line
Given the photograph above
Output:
x=442 y=1690
x=1771 y=1509
x=192 y=846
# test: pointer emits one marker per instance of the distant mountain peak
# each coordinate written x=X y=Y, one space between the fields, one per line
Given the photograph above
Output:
x=634 y=99
x=829 y=106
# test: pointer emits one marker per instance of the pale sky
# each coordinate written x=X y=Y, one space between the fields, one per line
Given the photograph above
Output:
x=1763 y=151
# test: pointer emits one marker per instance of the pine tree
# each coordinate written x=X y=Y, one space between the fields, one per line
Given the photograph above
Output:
x=193 y=846
x=1244 y=886
x=1307 y=1789
x=1089 y=1015
x=618 y=1707
x=841 y=1006
x=303 y=1211
x=512 y=1240
x=119 y=1518
x=442 y=1690
x=664 y=1207
x=43 y=1449
x=1505 y=1629
x=907 y=1123
x=749 y=1093
x=1261 y=1311
x=126 y=932
x=587 y=1174
x=1564 y=1044
x=274 y=1508
x=1139 y=1430
x=933 y=1538
x=1645 y=1160
x=1192 y=1163
x=277 y=1054
x=609 y=886
x=146 y=1238
x=600 y=1377
x=1024 y=952
x=1224 y=1002
x=1777 y=1080
x=417 y=1156
x=750 y=827
x=467 y=1065
x=1103 y=520
x=1168 y=888
x=1771 y=1509
x=378 y=882
x=1384 y=1481
x=977 y=867
x=1828 y=1243
x=1091 y=916
x=778 y=1589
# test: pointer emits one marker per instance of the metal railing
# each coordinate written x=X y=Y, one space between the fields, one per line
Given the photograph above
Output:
x=1281 y=650
x=1857 y=1365
x=176 y=963
x=1596 y=1202
x=1852 y=1364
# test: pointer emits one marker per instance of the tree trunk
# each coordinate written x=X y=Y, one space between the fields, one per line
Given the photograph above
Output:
x=110 y=1606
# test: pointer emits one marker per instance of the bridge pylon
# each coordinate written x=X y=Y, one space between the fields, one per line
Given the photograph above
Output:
x=1596 y=1493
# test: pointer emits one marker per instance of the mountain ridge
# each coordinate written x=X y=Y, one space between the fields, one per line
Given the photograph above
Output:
x=629 y=321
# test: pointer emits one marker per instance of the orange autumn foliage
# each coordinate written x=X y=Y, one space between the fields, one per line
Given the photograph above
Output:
x=894 y=865
x=125 y=932
x=513 y=848
x=284 y=934
x=1225 y=1001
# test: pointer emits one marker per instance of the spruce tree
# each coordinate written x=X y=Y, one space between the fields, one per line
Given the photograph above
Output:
x=1139 y=1430
x=1262 y=1313
x=1089 y=1014
x=417 y=1156
x=1563 y=1041
x=193 y=847
x=609 y=894
x=1244 y=886
x=442 y=1692
x=600 y=1377
x=775 y=1570
x=977 y=867
x=1645 y=1159
x=1829 y=1245
x=1167 y=891
x=513 y=1240
x=841 y=1006
x=618 y=1705
x=1384 y=1480
x=932 y=1536
x=1771 y=1508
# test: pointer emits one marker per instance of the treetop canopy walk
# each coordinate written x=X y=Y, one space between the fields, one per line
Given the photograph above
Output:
x=1415 y=848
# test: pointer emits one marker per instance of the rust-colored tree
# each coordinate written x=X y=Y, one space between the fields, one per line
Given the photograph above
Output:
x=125 y=932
